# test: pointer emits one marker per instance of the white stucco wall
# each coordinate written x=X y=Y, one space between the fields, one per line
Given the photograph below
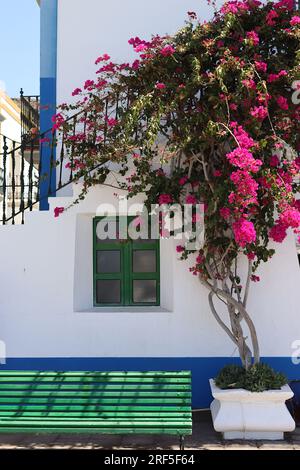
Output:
x=89 y=28
x=46 y=302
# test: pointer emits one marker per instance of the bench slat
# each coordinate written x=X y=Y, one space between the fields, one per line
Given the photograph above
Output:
x=97 y=408
x=94 y=414
x=92 y=380
x=98 y=387
x=93 y=394
x=98 y=375
x=107 y=401
x=93 y=423
x=58 y=430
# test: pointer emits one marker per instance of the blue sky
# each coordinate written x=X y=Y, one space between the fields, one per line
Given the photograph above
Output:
x=19 y=46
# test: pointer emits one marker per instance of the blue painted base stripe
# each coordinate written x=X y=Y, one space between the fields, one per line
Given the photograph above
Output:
x=202 y=368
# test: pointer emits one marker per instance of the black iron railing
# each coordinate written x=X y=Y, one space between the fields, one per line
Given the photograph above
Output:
x=30 y=113
x=41 y=165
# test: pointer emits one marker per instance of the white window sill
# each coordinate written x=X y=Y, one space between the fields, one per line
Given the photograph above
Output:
x=124 y=310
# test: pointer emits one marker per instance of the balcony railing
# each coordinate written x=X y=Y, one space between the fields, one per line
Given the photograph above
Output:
x=43 y=164
x=30 y=113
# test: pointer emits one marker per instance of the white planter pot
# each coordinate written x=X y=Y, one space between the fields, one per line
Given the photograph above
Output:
x=240 y=414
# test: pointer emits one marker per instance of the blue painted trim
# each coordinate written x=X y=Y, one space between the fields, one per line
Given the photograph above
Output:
x=202 y=368
x=48 y=83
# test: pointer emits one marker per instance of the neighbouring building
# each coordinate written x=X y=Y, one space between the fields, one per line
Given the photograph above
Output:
x=58 y=310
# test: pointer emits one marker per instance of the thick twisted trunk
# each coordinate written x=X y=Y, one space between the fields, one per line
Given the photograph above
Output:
x=236 y=312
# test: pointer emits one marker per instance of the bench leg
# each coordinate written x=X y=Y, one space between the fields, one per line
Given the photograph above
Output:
x=181 y=444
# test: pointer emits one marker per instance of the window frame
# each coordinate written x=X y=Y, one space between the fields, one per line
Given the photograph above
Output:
x=126 y=274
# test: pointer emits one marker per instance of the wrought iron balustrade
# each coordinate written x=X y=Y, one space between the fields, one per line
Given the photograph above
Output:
x=30 y=113
x=43 y=164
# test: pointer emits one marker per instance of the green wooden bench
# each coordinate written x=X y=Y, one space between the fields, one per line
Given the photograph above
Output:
x=96 y=402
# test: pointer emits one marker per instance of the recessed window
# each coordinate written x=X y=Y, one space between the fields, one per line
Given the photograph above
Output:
x=126 y=272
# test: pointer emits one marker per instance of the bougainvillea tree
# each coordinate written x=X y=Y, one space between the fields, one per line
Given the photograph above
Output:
x=215 y=103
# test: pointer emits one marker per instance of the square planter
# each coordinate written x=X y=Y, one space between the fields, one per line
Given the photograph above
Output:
x=240 y=414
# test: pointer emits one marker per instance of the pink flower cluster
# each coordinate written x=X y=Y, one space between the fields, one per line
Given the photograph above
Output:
x=261 y=66
x=58 y=211
x=242 y=136
x=290 y=217
x=271 y=17
x=167 y=50
x=102 y=58
x=273 y=77
x=165 y=199
x=295 y=20
x=282 y=103
x=286 y=4
x=244 y=232
x=253 y=38
x=259 y=112
x=246 y=189
x=238 y=6
x=243 y=159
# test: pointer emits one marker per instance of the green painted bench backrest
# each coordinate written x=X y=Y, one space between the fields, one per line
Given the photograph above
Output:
x=96 y=401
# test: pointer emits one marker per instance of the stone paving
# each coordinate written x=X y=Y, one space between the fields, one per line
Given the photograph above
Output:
x=204 y=438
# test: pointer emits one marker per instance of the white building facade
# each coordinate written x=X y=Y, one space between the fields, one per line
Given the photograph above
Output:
x=49 y=318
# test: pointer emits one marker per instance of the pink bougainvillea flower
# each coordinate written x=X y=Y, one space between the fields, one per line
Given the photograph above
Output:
x=182 y=181
x=255 y=278
x=242 y=136
x=111 y=122
x=165 y=199
x=109 y=68
x=167 y=50
x=191 y=199
x=102 y=58
x=75 y=165
x=58 y=211
x=251 y=256
x=200 y=259
x=259 y=112
x=271 y=16
x=290 y=218
x=77 y=91
x=89 y=84
x=141 y=48
x=261 y=66
x=160 y=86
x=288 y=4
x=275 y=76
x=249 y=83
x=244 y=232
x=243 y=159
x=136 y=64
x=274 y=161
x=278 y=232
x=217 y=173
x=225 y=212
x=282 y=103
x=101 y=84
x=179 y=248
x=253 y=38
x=295 y=20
